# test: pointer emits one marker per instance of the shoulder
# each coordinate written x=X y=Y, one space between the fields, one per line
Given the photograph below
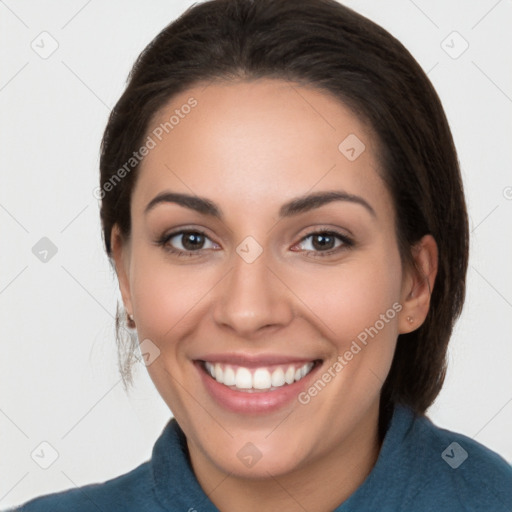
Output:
x=458 y=472
x=129 y=492
x=165 y=482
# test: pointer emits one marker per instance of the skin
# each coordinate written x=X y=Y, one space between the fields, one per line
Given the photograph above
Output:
x=250 y=147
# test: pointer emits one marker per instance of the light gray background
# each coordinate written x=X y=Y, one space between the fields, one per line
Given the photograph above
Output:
x=59 y=380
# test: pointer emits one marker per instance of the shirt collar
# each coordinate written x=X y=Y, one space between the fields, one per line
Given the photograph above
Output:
x=175 y=483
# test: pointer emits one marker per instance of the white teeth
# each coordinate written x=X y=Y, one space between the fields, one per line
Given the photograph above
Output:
x=210 y=368
x=243 y=379
x=229 y=376
x=289 y=376
x=219 y=373
x=278 y=378
x=261 y=378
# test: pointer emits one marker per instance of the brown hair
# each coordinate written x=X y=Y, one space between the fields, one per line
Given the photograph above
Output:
x=321 y=44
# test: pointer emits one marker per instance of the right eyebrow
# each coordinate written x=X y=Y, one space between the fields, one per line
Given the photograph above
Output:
x=199 y=204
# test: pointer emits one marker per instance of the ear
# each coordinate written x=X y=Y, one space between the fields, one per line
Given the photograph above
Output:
x=121 y=256
x=418 y=285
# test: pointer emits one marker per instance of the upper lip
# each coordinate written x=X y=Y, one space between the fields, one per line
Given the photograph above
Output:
x=254 y=360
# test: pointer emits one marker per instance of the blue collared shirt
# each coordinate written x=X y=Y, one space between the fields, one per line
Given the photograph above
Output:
x=420 y=467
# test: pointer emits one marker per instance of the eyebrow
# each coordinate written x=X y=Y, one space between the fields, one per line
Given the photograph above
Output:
x=294 y=207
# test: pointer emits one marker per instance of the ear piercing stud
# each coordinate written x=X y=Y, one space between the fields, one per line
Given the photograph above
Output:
x=410 y=319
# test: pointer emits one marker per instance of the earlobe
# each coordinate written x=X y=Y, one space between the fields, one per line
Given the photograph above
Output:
x=121 y=257
x=418 y=285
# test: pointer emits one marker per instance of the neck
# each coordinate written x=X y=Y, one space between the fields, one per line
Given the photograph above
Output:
x=317 y=486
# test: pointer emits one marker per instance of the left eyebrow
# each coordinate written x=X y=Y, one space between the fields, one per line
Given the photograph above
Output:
x=312 y=201
x=289 y=209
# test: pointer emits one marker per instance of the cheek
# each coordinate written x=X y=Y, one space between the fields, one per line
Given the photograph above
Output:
x=358 y=310
x=165 y=297
x=351 y=298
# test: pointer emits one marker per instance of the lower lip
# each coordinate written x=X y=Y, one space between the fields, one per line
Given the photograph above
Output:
x=256 y=402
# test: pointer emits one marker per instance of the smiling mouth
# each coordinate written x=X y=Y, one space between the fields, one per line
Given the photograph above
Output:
x=251 y=380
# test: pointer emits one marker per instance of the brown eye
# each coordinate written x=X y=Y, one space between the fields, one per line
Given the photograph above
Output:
x=324 y=243
x=186 y=242
x=192 y=241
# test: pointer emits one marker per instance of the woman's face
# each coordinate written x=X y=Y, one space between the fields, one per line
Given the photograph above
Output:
x=249 y=173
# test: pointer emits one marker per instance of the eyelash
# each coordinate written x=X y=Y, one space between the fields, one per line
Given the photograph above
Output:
x=347 y=243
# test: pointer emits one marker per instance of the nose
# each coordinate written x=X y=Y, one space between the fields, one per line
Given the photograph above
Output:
x=253 y=298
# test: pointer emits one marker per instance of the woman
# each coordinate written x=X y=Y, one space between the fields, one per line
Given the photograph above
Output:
x=281 y=199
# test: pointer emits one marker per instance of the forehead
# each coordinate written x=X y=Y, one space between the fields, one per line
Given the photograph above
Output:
x=265 y=139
